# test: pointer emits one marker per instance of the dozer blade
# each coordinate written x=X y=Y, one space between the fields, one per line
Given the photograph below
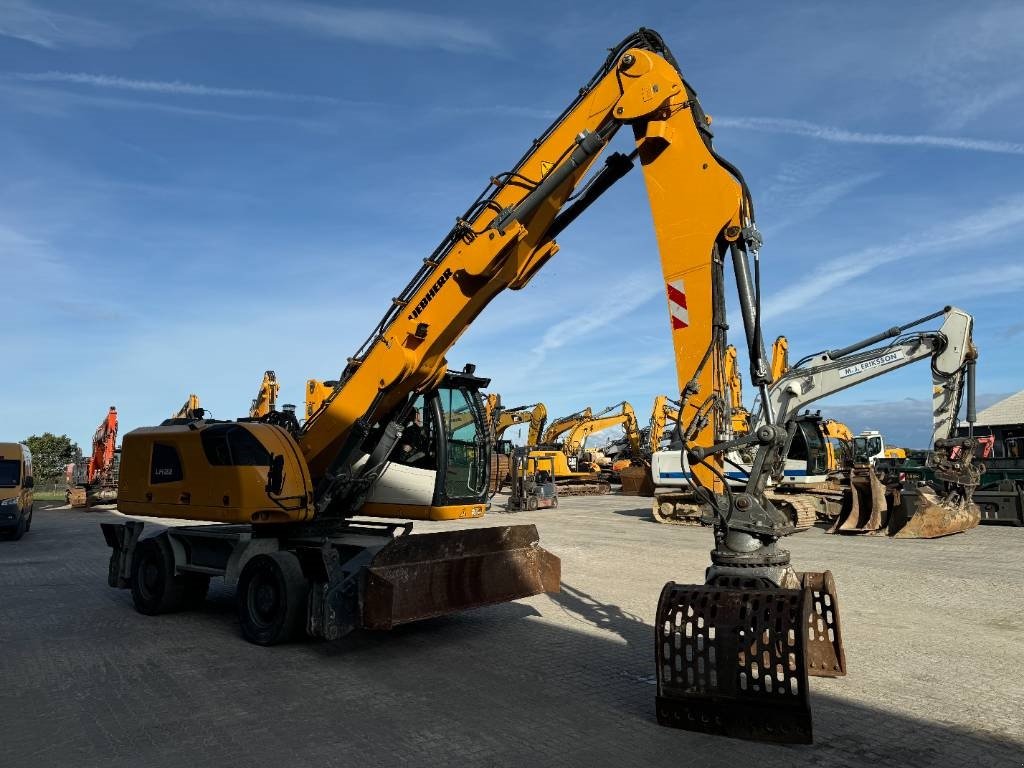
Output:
x=933 y=516
x=433 y=574
x=731 y=662
x=864 y=504
x=826 y=656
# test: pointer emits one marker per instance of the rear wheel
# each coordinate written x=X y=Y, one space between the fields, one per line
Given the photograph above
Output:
x=155 y=589
x=273 y=597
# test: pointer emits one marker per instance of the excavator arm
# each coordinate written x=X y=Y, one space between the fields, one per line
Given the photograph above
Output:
x=510 y=417
x=699 y=206
x=626 y=418
x=266 y=399
x=738 y=414
x=190 y=409
x=950 y=349
x=780 y=357
x=561 y=425
x=665 y=412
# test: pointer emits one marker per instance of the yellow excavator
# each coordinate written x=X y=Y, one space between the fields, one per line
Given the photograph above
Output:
x=501 y=419
x=290 y=500
x=535 y=415
x=190 y=409
x=734 y=384
x=266 y=398
x=563 y=424
x=575 y=473
x=636 y=477
x=780 y=357
x=317 y=393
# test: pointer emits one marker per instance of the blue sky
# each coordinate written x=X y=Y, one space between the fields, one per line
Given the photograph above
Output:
x=193 y=192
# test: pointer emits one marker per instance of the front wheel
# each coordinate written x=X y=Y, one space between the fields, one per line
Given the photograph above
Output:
x=18 y=532
x=272 y=597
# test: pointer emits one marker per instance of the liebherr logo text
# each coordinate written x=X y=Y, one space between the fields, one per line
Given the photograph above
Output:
x=430 y=294
x=887 y=359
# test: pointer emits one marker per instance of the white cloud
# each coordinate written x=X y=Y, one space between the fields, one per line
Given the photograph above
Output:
x=979 y=227
x=51 y=29
x=57 y=102
x=173 y=87
x=403 y=29
x=621 y=299
x=844 y=136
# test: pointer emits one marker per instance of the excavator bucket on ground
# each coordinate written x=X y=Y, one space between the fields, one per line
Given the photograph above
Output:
x=865 y=508
x=433 y=574
x=925 y=515
x=735 y=662
x=636 y=480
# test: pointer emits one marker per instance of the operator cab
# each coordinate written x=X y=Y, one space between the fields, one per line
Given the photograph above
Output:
x=439 y=469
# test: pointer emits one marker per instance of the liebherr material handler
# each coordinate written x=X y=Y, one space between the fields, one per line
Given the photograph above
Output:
x=732 y=653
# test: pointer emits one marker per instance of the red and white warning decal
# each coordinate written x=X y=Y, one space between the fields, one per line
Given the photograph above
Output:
x=677 y=305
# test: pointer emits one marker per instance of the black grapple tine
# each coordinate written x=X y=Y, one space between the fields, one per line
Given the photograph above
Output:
x=731 y=662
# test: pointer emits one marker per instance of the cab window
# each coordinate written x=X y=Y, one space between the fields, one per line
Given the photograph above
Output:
x=232 y=445
x=165 y=466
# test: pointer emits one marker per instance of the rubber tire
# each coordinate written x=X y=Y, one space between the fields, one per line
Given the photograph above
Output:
x=281 y=574
x=28 y=520
x=18 y=532
x=158 y=590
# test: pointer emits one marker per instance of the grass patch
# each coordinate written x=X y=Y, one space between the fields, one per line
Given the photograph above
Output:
x=48 y=495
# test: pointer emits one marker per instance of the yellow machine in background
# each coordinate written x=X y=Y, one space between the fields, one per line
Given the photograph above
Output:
x=780 y=357
x=561 y=425
x=575 y=473
x=317 y=393
x=535 y=415
x=734 y=384
x=190 y=409
x=266 y=398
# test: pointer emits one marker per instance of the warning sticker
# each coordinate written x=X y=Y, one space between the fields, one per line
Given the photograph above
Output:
x=545 y=168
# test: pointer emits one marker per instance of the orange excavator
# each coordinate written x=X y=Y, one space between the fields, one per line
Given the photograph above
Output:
x=94 y=480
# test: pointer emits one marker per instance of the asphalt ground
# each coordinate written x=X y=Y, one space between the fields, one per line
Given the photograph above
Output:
x=933 y=633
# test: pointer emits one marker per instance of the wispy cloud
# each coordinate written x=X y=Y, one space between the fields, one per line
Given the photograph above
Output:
x=27 y=21
x=399 y=28
x=1000 y=219
x=170 y=87
x=58 y=102
x=844 y=136
x=622 y=298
